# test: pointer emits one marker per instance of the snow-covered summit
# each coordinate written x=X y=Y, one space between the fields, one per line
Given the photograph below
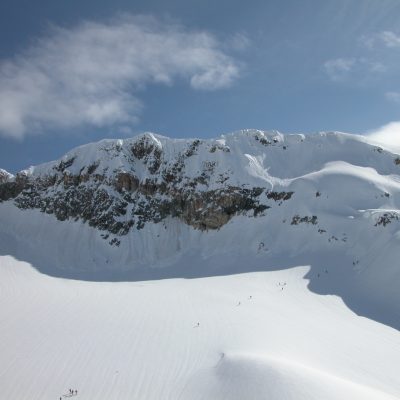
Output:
x=229 y=151
x=5 y=176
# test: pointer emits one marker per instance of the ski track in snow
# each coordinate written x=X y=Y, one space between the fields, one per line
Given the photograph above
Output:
x=140 y=340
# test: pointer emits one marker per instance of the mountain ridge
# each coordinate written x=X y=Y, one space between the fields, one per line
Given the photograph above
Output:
x=152 y=207
x=152 y=163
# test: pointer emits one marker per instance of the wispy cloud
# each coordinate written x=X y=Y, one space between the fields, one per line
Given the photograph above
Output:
x=338 y=68
x=385 y=38
x=375 y=57
x=393 y=96
x=385 y=46
x=357 y=68
x=239 y=41
x=91 y=74
x=390 y=39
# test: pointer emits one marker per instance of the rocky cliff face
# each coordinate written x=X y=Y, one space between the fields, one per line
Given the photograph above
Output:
x=126 y=184
x=119 y=186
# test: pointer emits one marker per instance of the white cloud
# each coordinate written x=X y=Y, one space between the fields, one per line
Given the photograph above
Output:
x=385 y=38
x=91 y=73
x=388 y=136
x=390 y=39
x=338 y=68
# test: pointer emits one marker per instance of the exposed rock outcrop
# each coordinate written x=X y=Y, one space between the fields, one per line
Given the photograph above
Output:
x=140 y=183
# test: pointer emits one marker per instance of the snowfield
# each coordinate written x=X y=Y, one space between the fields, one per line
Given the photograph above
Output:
x=261 y=335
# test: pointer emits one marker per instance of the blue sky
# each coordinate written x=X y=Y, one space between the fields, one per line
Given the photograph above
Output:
x=78 y=71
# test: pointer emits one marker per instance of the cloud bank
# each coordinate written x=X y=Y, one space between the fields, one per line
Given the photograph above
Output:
x=92 y=73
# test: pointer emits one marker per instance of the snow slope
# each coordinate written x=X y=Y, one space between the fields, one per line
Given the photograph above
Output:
x=261 y=335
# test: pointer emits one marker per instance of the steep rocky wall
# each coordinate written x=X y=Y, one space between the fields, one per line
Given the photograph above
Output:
x=125 y=202
x=121 y=201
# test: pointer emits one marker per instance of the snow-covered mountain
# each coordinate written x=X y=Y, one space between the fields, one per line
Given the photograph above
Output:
x=280 y=214
x=141 y=208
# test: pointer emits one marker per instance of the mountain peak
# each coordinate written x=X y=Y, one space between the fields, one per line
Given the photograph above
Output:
x=5 y=176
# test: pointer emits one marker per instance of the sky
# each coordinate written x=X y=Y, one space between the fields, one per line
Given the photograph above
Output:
x=75 y=72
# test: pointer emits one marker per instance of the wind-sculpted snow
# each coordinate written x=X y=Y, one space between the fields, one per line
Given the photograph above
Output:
x=251 y=336
x=251 y=376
